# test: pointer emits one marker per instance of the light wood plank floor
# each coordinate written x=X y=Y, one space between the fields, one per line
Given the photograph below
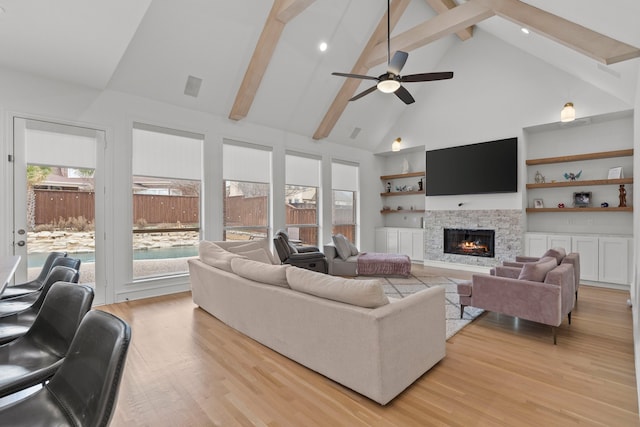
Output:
x=186 y=368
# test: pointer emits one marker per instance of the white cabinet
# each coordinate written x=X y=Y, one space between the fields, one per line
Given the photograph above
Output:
x=613 y=262
x=535 y=244
x=587 y=247
x=408 y=241
x=606 y=259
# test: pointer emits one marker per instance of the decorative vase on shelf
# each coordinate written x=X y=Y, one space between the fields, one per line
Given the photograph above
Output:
x=405 y=166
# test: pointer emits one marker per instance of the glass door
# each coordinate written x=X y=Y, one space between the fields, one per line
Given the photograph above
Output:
x=55 y=199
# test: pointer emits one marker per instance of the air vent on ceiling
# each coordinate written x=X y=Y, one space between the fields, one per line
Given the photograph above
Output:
x=193 y=86
x=355 y=133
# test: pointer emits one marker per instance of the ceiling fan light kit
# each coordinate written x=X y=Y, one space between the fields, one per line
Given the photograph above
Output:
x=388 y=86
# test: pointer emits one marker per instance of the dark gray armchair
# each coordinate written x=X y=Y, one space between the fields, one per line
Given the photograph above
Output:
x=308 y=257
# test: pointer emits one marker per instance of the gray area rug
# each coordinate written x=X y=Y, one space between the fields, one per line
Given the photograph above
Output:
x=398 y=287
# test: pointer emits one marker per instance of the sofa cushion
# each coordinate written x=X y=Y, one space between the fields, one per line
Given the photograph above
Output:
x=258 y=271
x=342 y=246
x=537 y=271
x=215 y=256
x=363 y=293
x=252 y=246
x=557 y=253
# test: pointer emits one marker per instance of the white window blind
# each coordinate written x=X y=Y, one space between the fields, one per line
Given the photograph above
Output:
x=344 y=176
x=246 y=163
x=302 y=170
x=166 y=153
x=60 y=145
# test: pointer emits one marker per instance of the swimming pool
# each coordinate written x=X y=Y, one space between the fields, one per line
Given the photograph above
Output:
x=37 y=259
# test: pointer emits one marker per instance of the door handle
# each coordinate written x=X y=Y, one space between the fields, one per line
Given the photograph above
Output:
x=21 y=243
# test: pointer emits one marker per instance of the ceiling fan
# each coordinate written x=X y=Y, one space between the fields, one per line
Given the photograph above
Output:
x=391 y=81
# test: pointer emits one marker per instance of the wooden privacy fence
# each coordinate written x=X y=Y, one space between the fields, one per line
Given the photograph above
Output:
x=51 y=205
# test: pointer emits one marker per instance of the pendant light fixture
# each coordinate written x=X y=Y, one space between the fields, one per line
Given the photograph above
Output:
x=395 y=146
x=568 y=113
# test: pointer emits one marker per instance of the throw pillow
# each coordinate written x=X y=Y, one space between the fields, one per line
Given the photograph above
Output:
x=258 y=271
x=354 y=250
x=253 y=245
x=342 y=246
x=553 y=253
x=537 y=271
x=363 y=293
x=259 y=255
x=215 y=256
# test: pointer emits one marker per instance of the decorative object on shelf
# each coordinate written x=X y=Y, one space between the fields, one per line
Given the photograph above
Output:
x=604 y=205
x=615 y=173
x=411 y=207
x=572 y=176
x=386 y=208
x=560 y=205
x=405 y=166
x=396 y=144
x=623 y=197
x=582 y=199
x=539 y=178
x=399 y=207
x=537 y=203
x=388 y=187
x=568 y=113
x=420 y=185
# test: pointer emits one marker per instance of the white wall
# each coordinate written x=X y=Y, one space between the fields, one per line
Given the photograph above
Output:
x=115 y=112
x=635 y=295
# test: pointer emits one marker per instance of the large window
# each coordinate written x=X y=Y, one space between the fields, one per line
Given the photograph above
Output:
x=301 y=198
x=344 y=211
x=167 y=169
x=247 y=191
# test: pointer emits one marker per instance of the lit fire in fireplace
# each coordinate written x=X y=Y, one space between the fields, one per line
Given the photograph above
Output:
x=473 y=246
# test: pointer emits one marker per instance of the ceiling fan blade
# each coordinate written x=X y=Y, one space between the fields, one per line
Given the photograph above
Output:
x=363 y=93
x=404 y=95
x=426 y=77
x=355 y=76
x=397 y=62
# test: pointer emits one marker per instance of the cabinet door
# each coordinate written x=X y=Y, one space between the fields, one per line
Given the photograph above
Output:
x=587 y=247
x=392 y=241
x=405 y=242
x=558 y=240
x=535 y=244
x=381 y=240
x=418 y=245
x=614 y=255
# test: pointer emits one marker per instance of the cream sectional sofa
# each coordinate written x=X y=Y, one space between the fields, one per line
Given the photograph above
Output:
x=369 y=344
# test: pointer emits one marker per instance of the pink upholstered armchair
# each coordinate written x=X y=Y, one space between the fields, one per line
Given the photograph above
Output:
x=572 y=258
x=513 y=293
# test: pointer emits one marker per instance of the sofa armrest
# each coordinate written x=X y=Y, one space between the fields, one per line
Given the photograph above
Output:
x=305 y=249
x=309 y=256
x=515 y=264
x=535 y=301
x=330 y=252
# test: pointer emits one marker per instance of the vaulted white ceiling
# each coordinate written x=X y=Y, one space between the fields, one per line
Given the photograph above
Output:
x=150 y=47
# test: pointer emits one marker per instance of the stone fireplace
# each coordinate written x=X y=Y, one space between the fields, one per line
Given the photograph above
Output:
x=469 y=242
x=507 y=226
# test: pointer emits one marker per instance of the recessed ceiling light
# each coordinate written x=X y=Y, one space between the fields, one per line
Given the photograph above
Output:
x=524 y=30
x=323 y=46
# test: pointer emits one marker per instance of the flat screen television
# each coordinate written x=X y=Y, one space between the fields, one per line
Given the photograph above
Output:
x=482 y=168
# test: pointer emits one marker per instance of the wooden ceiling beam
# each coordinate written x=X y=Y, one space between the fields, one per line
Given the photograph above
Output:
x=350 y=86
x=281 y=12
x=450 y=22
x=441 y=6
x=597 y=46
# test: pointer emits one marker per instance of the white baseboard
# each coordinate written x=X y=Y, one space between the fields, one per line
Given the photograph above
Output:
x=153 y=288
x=456 y=266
